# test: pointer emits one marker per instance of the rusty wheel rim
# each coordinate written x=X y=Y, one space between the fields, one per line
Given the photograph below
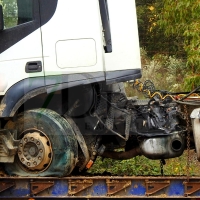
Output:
x=35 y=151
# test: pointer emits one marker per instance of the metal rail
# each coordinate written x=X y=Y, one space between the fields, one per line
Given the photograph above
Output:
x=100 y=187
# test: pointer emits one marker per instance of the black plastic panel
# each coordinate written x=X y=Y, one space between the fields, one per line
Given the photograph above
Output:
x=122 y=75
x=34 y=66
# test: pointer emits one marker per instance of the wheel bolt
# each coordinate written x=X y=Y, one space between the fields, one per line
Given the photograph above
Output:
x=21 y=145
x=41 y=150
x=32 y=139
x=28 y=163
x=22 y=159
x=38 y=143
x=19 y=152
x=39 y=158
x=25 y=139
x=35 y=163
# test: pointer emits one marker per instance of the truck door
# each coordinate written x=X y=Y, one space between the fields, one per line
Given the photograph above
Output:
x=72 y=42
x=20 y=46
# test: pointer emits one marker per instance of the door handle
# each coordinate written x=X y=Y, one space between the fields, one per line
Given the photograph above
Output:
x=35 y=66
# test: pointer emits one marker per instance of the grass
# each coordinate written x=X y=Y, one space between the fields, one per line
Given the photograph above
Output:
x=142 y=166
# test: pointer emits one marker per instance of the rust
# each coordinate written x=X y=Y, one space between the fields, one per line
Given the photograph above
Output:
x=122 y=155
x=39 y=186
x=152 y=178
x=115 y=186
x=2 y=172
x=76 y=186
x=188 y=142
x=6 y=185
x=155 y=186
x=191 y=187
x=38 y=148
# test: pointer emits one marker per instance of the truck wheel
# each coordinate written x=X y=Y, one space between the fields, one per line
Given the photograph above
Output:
x=48 y=145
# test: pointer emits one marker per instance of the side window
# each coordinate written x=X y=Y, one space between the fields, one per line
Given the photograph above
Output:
x=16 y=12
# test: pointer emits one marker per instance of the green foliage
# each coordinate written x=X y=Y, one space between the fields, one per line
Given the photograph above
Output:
x=143 y=166
x=152 y=37
x=165 y=68
x=10 y=12
x=182 y=19
x=1 y=3
x=135 y=166
x=180 y=22
x=166 y=72
x=192 y=81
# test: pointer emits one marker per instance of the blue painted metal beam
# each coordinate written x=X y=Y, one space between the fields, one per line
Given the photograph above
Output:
x=101 y=187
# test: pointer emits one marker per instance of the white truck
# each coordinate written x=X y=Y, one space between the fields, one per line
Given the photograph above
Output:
x=62 y=100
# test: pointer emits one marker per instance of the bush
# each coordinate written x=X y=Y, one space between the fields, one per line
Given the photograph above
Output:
x=142 y=166
x=166 y=72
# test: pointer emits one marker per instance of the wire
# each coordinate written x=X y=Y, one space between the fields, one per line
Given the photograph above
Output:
x=141 y=88
x=149 y=90
x=119 y=135
x=113 y=105
x=192 y=103
x=189 y=94
x=163 y=98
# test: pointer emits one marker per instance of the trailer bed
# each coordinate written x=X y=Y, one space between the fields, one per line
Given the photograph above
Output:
x=100 y=187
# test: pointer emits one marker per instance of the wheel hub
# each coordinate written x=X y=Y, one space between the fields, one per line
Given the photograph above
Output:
x=34 y=151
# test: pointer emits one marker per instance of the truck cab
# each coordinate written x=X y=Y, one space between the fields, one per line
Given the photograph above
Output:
x=57 y=59
x=61 y=44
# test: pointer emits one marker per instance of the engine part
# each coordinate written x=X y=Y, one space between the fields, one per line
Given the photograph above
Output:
x=158 y=118
x=116 y=102
x=123 y=155
x=110 y=118
x=163 y=147
x=114 y=132
x=101 y=150
x=79 y=103
x=195 y=117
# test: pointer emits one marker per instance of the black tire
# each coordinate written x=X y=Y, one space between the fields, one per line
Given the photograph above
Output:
x=60 y=141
